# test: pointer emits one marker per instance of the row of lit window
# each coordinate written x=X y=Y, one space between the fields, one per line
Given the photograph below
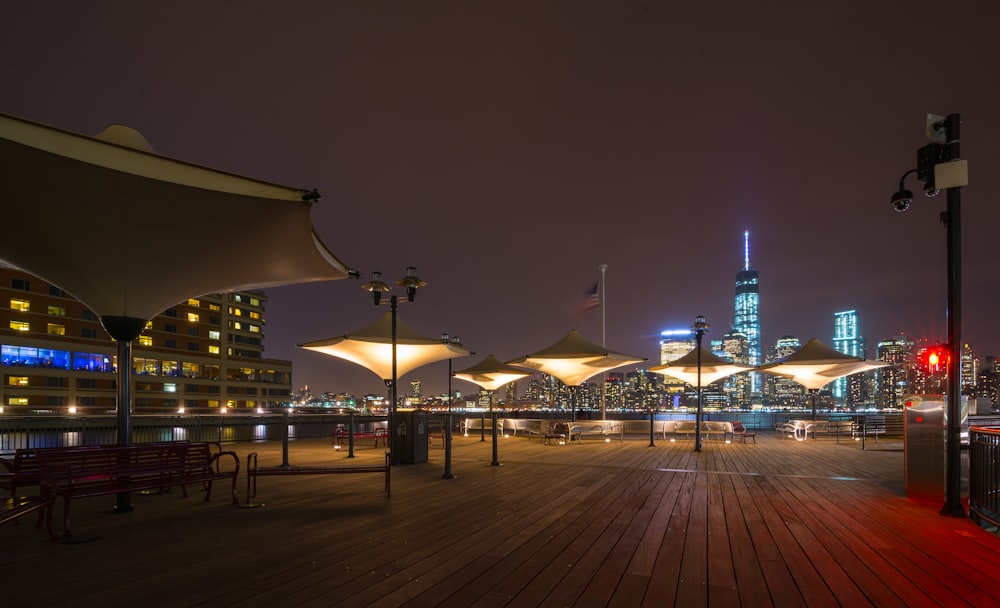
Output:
x=18 y=305
x=50 y=328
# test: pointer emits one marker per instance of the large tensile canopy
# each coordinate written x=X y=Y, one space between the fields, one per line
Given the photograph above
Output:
x=371 y=348
x=573 y=359
x=491 y=373
x=713 y=367
x=815 y=365
x=130 y=233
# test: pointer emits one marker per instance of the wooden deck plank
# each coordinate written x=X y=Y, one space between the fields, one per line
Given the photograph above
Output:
x=779 y=523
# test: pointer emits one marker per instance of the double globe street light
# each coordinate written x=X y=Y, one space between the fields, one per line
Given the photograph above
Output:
x=377 y=287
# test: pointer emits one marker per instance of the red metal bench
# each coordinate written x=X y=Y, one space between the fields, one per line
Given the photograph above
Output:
x=104 y=470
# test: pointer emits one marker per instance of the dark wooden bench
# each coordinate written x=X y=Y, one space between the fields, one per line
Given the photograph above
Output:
x=597 y=428
x=378 y=434
x=254 y=471
x=100 y=471
x=17 y=506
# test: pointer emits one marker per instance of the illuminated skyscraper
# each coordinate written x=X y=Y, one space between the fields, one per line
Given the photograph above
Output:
x=847 y=340
x=674 y=344
x=747 y=311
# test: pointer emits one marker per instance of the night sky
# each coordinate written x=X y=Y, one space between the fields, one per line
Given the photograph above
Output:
x=508 y=149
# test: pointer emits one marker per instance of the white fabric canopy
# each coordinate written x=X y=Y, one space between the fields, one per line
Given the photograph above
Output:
x=130 y=233
x=713 y=368
x=815 y=365
x=371 y=348
x=573 y=359
x=491 y=373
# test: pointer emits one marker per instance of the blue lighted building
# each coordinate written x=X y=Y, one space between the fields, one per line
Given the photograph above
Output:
x=747 y=311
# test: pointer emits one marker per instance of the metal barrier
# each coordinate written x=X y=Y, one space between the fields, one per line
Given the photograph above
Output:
x=984 y=475
x=58 y=431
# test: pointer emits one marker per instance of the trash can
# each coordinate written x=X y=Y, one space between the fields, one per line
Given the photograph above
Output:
x=411 y=434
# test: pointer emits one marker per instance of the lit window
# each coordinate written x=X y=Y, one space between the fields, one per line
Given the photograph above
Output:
x=213 y=349
x=145 y=341
x=20 y=325
x=57 y=311
x=214 y=307
x=254 y=328
x=17 y=380
x=213 y=334
x=149 y=325
x=237 y=325
x=237 y=312
x=169 y=387
x=56 y=329
x=18 y=401
x=194 y=302
x=193 y=317
x=20 y=305
x=254 y=315
x=254 y=301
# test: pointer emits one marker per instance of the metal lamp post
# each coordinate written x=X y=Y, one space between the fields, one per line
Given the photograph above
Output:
x=377 y=287
x=699 y=327
x=939 y=165
x=447 y=428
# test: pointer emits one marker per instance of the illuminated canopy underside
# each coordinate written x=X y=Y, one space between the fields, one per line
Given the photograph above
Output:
x=491 y=373
x=713 y=368
x=130 y=233
x=572 y=360
x=815 y=365
x=371 y=348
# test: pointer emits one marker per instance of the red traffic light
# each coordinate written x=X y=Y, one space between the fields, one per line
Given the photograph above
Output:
x=934 y=359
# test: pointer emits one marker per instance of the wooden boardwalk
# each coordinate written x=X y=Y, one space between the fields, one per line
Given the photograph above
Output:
x=780 y=523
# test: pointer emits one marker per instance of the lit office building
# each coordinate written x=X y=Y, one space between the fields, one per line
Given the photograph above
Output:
x=782 y=392
x=735 y=347
x=850 y=390
x=747 y=311
x=205 y=352
x=892 y=382
x=675 y=343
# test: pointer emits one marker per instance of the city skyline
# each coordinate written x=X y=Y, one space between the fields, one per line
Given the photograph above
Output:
x=507 y=152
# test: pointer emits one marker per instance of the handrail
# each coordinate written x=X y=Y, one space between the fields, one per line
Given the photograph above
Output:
x=984 y=475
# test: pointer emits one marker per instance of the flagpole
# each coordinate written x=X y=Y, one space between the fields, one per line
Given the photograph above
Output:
x=604 y=383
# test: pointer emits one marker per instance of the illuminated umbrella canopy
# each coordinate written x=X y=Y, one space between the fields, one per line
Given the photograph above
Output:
x=491 y=373
x=713 y=368
x=131 y=233
x=815 y=365
x=371 y=348
x=573 y=359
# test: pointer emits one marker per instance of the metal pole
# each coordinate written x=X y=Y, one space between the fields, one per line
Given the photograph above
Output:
x=604 y=376
x=697 y=419
x=953 y=455
x=350 y=436
x=393 y=435
x=493 y=417
x=652 y=416
x=284 y=438
x=447 y=431
x=123 y=500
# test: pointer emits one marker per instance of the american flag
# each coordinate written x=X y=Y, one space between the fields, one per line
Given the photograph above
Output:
x=593 y=298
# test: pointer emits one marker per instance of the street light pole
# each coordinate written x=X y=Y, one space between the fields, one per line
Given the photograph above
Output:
x=939 y=165
x=699 y=327
x=447 y=429
x=377 y=287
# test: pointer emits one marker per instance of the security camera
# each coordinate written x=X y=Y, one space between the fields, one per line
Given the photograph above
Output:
x=930 y=191
x=901 y=200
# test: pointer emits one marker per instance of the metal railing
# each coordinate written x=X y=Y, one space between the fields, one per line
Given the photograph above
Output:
x=984 y=475
x=56 y=431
